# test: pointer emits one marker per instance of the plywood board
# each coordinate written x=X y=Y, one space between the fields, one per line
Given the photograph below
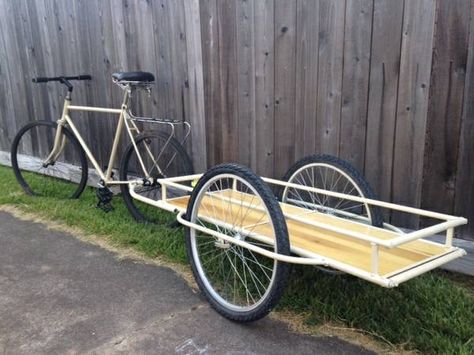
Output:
x=226 y=206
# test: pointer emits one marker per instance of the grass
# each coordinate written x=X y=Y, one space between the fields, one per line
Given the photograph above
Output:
x=433 y=313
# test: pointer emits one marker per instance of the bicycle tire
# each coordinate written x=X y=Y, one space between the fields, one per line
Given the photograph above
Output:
x=141 y=212
x=355 y=178
x=22 y=176
x=213 y=290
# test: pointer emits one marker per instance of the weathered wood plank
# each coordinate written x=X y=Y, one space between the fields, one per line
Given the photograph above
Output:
x=229 y=143
x=412 y=106
x=464 y=193
x=307 y=44
x=7 y=107
x=331 y=44
x=18 y=114
x=210 y=55
x=246 y=82
x=162 y=93
x=264 y=86
x=285 y=85
x=355 y=81
x=179 y=65
x=195 y=87
x=383 y=89
x=69 y=172
x=445 y=106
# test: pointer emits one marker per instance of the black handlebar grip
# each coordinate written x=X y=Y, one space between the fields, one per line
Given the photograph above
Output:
x=40 y=80
x=84 y=77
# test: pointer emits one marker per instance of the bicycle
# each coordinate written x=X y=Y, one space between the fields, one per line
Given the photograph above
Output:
x=44 y=153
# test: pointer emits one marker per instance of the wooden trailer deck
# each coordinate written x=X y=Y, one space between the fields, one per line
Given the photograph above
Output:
x=228 y=206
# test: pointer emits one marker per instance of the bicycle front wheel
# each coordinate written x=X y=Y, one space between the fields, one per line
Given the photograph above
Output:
x=162 y=157
x=39 y=173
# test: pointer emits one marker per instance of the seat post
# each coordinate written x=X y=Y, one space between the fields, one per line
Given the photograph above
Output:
x=126 y=97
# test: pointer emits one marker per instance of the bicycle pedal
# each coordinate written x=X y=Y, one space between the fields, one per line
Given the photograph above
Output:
x=105 y=198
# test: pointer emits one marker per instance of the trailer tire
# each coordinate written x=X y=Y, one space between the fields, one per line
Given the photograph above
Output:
x=215 y=290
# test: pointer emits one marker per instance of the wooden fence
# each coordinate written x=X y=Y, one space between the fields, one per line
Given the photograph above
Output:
x=384 y=84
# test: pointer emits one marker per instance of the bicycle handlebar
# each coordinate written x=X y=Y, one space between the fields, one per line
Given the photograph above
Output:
x=62 y=78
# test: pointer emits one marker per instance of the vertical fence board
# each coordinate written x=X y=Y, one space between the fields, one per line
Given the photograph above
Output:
x=246 y=82
x=179 y=63
x=164 y=101
x=464 y=196
x=211 y=72
x=7 y=106
x=307 y=42
x=228 y=79
x=355 y=81
x=264 y=86
x=195 y=87
x=331 y=43
x=285 y=83
x=445 y=106
x=412 y=106
x=17 y=70
x=383 y=88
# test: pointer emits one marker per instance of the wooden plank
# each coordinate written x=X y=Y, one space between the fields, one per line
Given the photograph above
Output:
x=264 y=86
x=211 y=74
x=464 y=196
x=445 y=105
x=28 y=64
x=383 y=89
x=121 y=58
x=18 y=115
x=179 y=64
x=285 y=85
x=195 y=87
x=162 y=92
x=7 y=107
x=307 y=44
x=229 y=143
x=111 y=91
x=66 y=20
x=355 y=81
x=35 y=61
x=246 y=82
x=412 y=107
x=91 y=93
x=68 y=171
x=331 y=42
x=142 y=19
x=225 y=206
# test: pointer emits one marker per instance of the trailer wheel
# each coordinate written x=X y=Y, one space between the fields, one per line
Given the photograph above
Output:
x=240 y=284
x=333 y=174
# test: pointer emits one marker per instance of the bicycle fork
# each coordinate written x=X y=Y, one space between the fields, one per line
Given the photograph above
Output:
x=59 y=140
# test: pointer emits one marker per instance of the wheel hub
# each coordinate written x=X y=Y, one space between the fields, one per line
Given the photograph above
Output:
x=222 y=244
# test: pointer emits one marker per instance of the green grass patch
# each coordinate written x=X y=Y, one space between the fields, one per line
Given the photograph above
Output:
x=433 y=313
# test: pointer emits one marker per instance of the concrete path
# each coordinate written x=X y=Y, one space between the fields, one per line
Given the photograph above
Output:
x=60 y=295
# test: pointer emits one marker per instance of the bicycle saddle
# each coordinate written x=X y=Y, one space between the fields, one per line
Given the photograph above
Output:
x=140 y=76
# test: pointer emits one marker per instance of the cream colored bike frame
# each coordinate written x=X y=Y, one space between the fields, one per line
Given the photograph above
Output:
x=124 y=120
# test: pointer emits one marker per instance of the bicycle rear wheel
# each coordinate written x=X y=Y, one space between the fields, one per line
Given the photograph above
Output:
x=30 y=150
x=162 y=157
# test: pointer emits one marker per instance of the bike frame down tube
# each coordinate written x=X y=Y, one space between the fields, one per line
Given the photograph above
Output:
x=123 y=114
